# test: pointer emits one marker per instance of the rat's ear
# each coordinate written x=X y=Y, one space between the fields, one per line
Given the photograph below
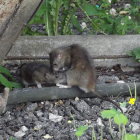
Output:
x=59 y=56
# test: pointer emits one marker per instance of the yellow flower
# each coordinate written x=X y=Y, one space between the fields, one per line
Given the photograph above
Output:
x=132 y=101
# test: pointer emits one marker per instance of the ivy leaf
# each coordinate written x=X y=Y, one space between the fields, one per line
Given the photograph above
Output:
x=120 y=119
x=5 y=71
x=81 y=130
x=109 y=113
x=130 y=137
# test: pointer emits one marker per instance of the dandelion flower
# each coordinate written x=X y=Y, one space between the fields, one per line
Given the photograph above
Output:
x=132 y=101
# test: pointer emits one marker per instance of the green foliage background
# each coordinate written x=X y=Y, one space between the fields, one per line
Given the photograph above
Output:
x=62 y=17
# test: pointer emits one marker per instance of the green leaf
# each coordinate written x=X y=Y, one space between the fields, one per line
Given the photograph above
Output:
x=120 y=119
x=109 y=113
x=7 y=83
x=90 y=9
x=39 y=15
x=5 y=71
x=130 y=137
x=76 y=23
x=136 y=52
x=81 y=130
x=16 y=85
x=4 y=81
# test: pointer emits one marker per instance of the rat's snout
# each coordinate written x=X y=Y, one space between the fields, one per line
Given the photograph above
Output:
x=55 y=67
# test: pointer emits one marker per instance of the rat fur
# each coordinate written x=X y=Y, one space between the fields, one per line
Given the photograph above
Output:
x=76 y=63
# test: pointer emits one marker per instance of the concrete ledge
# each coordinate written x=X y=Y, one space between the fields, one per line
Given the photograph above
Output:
x=100 y=45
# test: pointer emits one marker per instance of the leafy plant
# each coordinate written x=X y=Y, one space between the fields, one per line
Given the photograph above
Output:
x=121 y=120
x=3 y=80
x=81 y=130
x=135 y=53
x=12 y=138
x=60 y=17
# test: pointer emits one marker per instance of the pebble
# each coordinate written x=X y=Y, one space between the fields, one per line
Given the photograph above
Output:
x=24 y=128
x=107 y=79
x=55 y=118
x=19 y=134
x=135 y=127
x=82 y=106
x=99 y=122
x=39 y=113
x=47 y=136
x=32 y=107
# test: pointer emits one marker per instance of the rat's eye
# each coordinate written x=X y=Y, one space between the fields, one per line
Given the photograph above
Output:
x=55 y=65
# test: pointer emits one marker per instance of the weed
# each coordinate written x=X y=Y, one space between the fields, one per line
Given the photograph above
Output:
x=3 y=80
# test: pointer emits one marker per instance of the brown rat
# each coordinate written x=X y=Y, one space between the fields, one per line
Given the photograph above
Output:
x=36 y=73
x=75 y=62
x=3 y=100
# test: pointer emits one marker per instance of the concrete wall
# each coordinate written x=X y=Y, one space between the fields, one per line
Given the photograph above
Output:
x=107 y=46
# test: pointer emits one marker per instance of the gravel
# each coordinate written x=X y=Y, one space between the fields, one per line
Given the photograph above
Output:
x=58 y=119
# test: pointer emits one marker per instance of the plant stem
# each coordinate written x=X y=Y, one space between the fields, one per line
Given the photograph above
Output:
x=110 y=127
x=135 y=91
x=130 y=91
x=93 y=134
x=120 y=131
x=123 y=131
x=101 y=138
x=93 y=24
x=58 y=4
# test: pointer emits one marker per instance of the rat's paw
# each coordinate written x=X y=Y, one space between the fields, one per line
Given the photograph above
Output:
x=62 y=86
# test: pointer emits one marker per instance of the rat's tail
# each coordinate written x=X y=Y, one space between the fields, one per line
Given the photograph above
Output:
x=108 y=99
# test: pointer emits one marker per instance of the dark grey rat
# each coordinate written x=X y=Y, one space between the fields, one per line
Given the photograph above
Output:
x=37 y=73
x=76 y=64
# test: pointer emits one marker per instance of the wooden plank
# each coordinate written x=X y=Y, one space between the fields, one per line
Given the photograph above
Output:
x=52 y=93
x=16 y=23
x=7 y=9
x=106 y=50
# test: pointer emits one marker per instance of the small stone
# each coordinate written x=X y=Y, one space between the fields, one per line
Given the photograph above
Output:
x=82 y=106
x=108 y=79
x=99 y=122
x=38 y=127
x=124 y=109
x=19 y=134
x=47 y=136
x=69 y=121
x=39 y=113
x=24 y=128
x=136 y=118
x=76 y=99
x=32 y=107
x=55 y=118
x=135 y=127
